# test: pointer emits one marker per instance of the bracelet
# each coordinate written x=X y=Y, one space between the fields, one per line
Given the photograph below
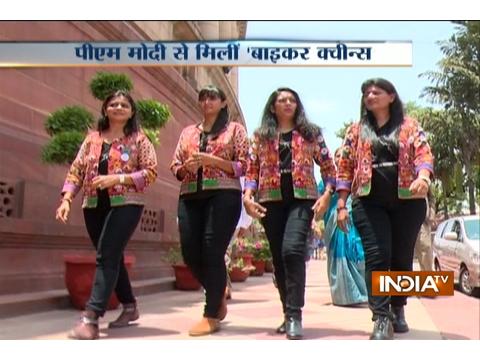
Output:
x=426 y=179
x=341 y=208
x=122 y=179
x=331 y=191
x=67 y=200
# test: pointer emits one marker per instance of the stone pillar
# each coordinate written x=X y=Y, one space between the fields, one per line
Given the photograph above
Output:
x=209 y=29
x=225 y=28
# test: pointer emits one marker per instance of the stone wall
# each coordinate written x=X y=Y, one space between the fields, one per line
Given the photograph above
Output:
x=32 y=243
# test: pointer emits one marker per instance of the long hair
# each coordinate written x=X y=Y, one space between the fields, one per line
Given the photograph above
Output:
x=212 y=91
x=268 y=129
x=132 y=124
x=367 y=118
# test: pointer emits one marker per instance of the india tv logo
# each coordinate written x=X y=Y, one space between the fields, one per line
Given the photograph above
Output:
x=412 y=283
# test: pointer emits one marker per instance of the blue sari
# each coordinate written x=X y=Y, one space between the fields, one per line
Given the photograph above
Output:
x=345 y=257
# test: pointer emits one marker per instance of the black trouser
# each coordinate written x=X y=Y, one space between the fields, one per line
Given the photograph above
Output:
x=206 y=227
x=388 y=228
x=110 y=228
x=287 y=224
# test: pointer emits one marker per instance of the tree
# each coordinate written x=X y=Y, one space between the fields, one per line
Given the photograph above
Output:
x=443 y=139
x=457 y=87
x=342 y=131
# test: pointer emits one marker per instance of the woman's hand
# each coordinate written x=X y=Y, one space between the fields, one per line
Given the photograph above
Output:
x=205 y=159
x=105 y=181
x=419 y=187
x=321 y=205
x=343 y=220
x=254 y=209
x=63 y=211
x=192 y=165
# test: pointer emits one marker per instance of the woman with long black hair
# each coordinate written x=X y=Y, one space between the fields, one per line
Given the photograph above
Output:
x=280 y=174
x=387 y=166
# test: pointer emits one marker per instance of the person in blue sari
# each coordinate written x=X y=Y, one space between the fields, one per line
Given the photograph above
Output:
x=345 y=257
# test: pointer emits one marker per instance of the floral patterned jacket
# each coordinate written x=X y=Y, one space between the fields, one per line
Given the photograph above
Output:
x=132 y=155
x=230 y=144
x=355 y=168
x=263 y=169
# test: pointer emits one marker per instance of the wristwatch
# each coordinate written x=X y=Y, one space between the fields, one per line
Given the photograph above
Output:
x=122 y=179
x=331 y=191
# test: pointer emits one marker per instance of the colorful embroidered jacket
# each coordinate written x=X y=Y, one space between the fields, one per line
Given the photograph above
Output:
x=355 y=168
x=230 y=144
x=133 y=155
x=263 y=167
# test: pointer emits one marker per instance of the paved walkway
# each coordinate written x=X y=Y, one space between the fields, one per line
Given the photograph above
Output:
x=253 y=313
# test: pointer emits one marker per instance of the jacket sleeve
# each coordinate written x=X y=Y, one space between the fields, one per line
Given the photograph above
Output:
x=147 y=164
x=178 y=157
x=346 y=166
x=240 y=147
x=423 y=155
x=76 y=174
x=324 y=159
x=253 y=164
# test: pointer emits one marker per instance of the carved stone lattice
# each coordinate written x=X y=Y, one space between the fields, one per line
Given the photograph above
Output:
x=152 y=220
x=11 y=198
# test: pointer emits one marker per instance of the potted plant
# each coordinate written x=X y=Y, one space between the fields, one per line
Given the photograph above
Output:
x=261 y=253
x=104 y=83
x=237 y=270
x=241 y=250
x=67 y=126
x=184 y=279
x=79 y=273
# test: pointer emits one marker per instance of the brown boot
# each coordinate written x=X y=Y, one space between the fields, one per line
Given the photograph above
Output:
x=204 y=327
x=87 y=328
x=222 y=311
x=129 y=313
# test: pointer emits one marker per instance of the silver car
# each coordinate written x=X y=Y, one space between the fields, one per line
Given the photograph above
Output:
x=456 y=247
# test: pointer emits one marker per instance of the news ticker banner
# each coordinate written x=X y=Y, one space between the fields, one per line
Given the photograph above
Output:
x=201 y=53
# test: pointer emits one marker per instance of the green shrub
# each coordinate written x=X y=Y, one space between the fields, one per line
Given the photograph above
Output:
x=69 y=118
x=174 y=255
x=105 y=83
x=152 y=136
x=152 y=114
x=63 y=147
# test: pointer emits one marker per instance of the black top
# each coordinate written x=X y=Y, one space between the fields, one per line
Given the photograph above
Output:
x=103 y=170
x=202 y=147
x=385 y=149
x=285 y=151
x=285 y=156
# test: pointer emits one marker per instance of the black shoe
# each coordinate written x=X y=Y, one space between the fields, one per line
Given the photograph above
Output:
x=293 y=329
x=382 y=329
x=399 y=323
x=281 y=328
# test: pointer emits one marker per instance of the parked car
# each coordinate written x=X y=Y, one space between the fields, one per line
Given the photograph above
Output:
x=456 y=247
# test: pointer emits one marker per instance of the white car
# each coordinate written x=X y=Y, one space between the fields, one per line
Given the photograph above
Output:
x=456 y=247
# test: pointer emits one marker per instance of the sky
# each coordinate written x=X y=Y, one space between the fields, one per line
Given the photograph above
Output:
x=331 y=95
